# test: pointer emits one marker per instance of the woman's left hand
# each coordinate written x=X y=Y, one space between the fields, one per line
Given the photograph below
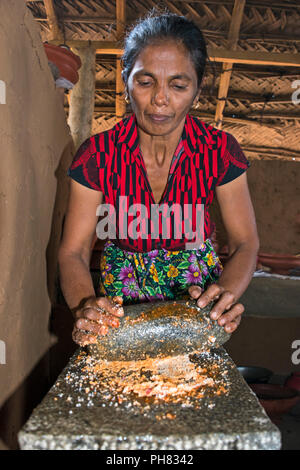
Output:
x=231 y=319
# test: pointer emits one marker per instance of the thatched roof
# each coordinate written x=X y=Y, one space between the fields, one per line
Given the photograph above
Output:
x=255 y=44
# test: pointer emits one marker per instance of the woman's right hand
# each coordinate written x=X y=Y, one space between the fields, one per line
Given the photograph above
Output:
x=95 y=317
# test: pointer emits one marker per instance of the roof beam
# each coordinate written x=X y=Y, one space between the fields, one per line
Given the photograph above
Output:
x=272 y=153
x=82 y=19
x=233 y=36
x=254 y=57
x=215 y=54
x=102 y=47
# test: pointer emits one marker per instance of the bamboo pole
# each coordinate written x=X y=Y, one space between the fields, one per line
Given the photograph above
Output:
x=53 y=21
x=233 y=36
x=120 y=103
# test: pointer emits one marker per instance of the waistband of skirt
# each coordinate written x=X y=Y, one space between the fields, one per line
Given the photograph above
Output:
x=207 y=244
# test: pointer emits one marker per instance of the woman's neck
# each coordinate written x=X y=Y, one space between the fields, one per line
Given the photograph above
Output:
x=159 y=149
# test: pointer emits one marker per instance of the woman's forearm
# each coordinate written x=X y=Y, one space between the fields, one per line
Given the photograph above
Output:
x=75 y=279
x=238 y=270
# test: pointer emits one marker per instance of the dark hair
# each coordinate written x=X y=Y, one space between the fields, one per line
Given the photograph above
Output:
x=164 y=26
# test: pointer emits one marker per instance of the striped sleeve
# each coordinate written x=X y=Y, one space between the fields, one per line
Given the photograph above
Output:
x=232 y=162
x=85 y=168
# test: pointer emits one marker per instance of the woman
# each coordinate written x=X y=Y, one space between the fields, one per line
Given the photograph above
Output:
x=157 y=157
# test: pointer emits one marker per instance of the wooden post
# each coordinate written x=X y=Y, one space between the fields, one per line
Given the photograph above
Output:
x=82 y=97
x=120 y=26
x=52 y=20
x=233 y=37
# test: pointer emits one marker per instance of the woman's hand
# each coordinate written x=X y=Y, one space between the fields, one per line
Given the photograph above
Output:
x=95 y=317
x=226 y=303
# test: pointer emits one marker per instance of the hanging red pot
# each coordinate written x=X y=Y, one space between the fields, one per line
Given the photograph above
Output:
x=293 y=381
x=67 y=62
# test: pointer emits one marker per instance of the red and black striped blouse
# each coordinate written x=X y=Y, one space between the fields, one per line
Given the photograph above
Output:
x=111 y=162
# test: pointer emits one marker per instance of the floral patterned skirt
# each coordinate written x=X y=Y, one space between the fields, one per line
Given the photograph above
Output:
x=156 y=274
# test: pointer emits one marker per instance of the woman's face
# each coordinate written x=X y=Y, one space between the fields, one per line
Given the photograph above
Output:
x=162 y=87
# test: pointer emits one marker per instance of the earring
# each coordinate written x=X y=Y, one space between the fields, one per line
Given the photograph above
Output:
x=196 y=106
x=127 y=100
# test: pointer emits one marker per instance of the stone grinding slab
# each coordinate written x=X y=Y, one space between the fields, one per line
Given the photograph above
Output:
x=73 y=417
x=162 y=328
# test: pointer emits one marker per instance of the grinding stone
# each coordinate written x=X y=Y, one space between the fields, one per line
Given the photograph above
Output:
x=163 y=328
x=71 y=419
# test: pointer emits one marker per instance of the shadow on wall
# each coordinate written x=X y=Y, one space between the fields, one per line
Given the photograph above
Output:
x=19 y=406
